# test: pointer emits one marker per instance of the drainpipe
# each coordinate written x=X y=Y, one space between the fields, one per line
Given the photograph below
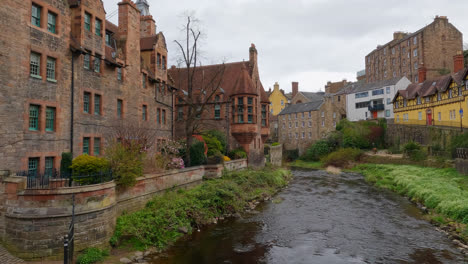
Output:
x=72 y=98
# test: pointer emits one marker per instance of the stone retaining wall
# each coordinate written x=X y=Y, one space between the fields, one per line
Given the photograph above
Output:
x=276 y=155
x=398 y=135
x=34 y=222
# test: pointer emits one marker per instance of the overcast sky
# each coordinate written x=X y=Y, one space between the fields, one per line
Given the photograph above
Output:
x=309 y=41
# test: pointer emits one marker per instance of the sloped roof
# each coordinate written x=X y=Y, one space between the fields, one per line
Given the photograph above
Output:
x=300 y=108
x=363 y=87
x=148 y=43
x=233 y=78
x=111 y=27
x=312 y=96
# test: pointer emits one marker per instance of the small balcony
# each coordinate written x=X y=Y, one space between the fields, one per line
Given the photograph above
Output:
x=376 y=107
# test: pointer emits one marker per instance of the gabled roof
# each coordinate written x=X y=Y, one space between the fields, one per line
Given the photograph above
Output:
x=111 y=27
x=234 y=78
x=430 y=87
x=301 y=108
x=358 y=87
x=312 y=96
x=148 y=43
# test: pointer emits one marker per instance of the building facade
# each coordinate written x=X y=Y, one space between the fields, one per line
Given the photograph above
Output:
x=69 y=77
x=432 y=47
x=278 y=100
x=441 y=101
x=372 y=100
x=239 y=106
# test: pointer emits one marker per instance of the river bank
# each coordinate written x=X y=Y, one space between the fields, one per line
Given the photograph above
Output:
x=178 y=213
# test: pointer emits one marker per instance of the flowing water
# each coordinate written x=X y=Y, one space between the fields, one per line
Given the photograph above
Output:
x=322 y=218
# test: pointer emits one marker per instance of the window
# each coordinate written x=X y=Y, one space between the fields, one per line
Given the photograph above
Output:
x=303 y=134
x=297 y=124
x=97 y=146
x=339 y=98
x=393 y=50
x=50 y=69
x=180 y=114
x=86 y=102
x=158 y=116
x=439 y=116
x=387 y=113
x=144 y=113
x=164 y=62
x=419 y=100
x=143 y=80
x=303 y=124
x=158 y=60
x=389 y=101
x=119 y=108
x=36 y=15
x=217 y=111
x=415 y=40
x=415 y=65
x=163 y=117
x=108 y=39
x=378 y=92
x=419 y=115
x=290 y=125
x=427 y=99
x=398 y=118
x=297 y=135
x=33 y=166
x=439 y=97
x=86 y=61
x=49 y=166
x=334 y=123
x=282 y=101
x=51 y=22
x=310 y=123
x=97 y=63
x=362 y=95
x=87 y=22
x=334 y=115
x=86 y=145
x=323 y=114
x=362 y=105
x=97 y=27
x=323 y=123
x=50 y=119
x=415 y=52
x=119 y=73
x=33 y=117
x=240 y=110
x=460 y=90
x=97 y=104
x=385 y=62
x=310 y=134
x=35 y=65
x=450 y=95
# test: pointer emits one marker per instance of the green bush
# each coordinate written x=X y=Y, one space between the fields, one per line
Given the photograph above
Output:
x=65 y=163
x=414 y=151
x=92 y=255
x=220 y=136
x=126 y=163
x=88 y=165
x=458 y=141
x=197 y=153
x=237 y=154
x=275 y=144
x=217 y=158
x=213 y=144
x=317 y=151
x=342 y=157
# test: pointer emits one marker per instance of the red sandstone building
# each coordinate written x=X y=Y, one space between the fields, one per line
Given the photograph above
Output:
x=67 y=76
x=431 y=47
x=240 y=106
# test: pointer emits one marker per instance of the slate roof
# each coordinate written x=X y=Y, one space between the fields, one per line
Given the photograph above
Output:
x=313 y=96
x=148 y=43
x=301 y=108
x=363 y=87
x=111 y=27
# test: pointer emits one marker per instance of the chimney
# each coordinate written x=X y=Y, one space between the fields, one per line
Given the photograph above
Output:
x=422 y=73
x=397 y=35
x=269 y=90
x=458 y=62
x=147 y=27
x=276 y=86
x=129 y=34
x=253 y=54
x=295 y=88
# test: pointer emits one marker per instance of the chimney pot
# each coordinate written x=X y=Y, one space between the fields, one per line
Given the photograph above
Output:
x=295 y=88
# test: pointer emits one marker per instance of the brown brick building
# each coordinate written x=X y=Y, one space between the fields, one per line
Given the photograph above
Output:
x=240 y=106
x=431 y=47
x=67 y=76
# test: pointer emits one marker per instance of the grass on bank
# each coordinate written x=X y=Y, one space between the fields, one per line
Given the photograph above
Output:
x=443 y=190
x=92 y=255
x=306 y=164
x=167 y=217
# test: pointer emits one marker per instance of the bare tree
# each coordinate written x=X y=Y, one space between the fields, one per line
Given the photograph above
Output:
x=201 y=83
x=133 y=134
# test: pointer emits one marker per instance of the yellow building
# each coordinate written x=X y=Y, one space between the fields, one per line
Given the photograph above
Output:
x=278 y=100
x=437 y=102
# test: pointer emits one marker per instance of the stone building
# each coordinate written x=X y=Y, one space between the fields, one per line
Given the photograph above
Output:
x=68 y=77
x=432 y=47
x=239 y=106
x=298 y=97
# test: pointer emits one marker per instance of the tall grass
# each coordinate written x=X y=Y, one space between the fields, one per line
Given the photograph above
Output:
x=161 y=221
x=444 y=190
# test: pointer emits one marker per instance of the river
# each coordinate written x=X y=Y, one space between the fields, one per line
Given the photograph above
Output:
x=322 y=218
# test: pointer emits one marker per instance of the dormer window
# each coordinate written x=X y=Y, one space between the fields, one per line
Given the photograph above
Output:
x=419 y=100
x=439 y=97
x=450 y=93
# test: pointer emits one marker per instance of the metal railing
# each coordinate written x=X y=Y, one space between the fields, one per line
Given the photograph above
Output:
x=69 y=239
x=55 y=179
x=376 y=107
x=462 y=153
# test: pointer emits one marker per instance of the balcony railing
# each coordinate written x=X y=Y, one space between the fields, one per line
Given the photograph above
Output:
x=377 y=107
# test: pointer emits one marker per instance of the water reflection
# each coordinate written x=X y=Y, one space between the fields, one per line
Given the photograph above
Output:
x=323 y=218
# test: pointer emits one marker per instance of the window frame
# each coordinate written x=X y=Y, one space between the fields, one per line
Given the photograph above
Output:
x=35 y=65
x=49 y=166
x=87 y=21
x=51 y=69
x=86 y=145
x=98 y=27
x=120 y=108
x=97 y=146
x=34 y=119
x=97 y=104
x=36 y=20
x=86 y=102
x=51 y=113
x=52 y=25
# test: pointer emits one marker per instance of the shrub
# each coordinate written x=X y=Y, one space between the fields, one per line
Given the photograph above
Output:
x=291 y=155
x=213 y=144
x=217 y=158
x=458 y=141
x=226 y=158
x=342 y=157
x=126 y=163
x=220 y=136
x=87 y=165
x=65 y=163
x=92 y=255
x=197 y=153
x=414 y=152
x=317 y=150
x=176 y=163
x=275 y=144
x=237 y=154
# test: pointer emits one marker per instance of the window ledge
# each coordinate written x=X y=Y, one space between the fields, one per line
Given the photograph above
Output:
x=52 y=80
x=36 y=76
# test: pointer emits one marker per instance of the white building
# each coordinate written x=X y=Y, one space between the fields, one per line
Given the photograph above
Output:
x=373 y=100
